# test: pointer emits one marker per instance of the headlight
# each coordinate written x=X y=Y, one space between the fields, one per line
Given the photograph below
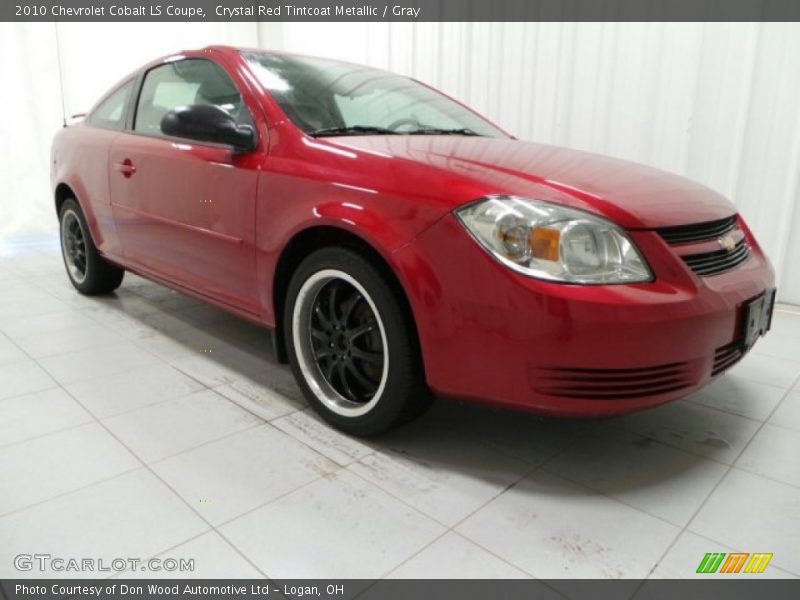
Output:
x=553 y=242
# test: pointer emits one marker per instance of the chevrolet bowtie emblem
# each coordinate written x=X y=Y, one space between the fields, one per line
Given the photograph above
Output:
x=727 y=242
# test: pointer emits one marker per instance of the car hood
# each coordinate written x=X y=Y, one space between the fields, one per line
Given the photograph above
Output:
x=633 y=195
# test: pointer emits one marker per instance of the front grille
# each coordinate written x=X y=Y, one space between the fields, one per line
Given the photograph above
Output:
x=725 y=357
x=706 y=264
x=698 y=232
x=612 y=384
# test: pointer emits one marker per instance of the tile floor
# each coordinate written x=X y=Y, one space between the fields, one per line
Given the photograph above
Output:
x=145 y=424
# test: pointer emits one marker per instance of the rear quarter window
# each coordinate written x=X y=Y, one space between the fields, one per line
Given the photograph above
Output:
x=111 y=112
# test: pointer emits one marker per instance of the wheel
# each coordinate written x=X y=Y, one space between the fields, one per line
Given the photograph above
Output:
x=87 y=270
x=351 y=344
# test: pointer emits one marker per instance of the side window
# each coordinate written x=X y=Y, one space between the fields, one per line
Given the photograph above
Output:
x=110 y=114
x=182 y=83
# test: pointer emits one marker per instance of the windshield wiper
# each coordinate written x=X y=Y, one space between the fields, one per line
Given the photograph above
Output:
x=352 y=130
x=442 y=131
x=374 y=130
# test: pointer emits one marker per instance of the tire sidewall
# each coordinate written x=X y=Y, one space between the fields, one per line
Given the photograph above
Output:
x=70 y=204
x=101 y=277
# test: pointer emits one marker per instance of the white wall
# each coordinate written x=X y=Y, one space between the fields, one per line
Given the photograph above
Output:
x=717 y=102
x=48 y=70
x=30 y=111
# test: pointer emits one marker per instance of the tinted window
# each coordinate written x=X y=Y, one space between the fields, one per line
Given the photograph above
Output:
x=110 y=114
x=182 y=83
x=323 y=94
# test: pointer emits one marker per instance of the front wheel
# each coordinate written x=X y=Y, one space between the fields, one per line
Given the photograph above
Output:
x=87 y=270
x=351 y=344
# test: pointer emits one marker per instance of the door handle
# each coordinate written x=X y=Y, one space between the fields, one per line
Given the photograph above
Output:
x=126 y=167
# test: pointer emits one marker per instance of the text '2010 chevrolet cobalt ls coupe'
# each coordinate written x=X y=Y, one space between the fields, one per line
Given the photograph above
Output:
x=399 y=245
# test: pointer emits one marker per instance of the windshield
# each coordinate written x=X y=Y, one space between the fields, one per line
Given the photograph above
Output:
x=325 y=97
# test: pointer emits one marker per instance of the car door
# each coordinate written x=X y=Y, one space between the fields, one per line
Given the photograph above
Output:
x=184 y=209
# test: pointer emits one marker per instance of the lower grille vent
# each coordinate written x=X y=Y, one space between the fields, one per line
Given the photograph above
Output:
x=612 y=384
x=725 y=357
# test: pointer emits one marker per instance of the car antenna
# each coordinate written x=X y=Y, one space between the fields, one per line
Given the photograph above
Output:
x=60 y=78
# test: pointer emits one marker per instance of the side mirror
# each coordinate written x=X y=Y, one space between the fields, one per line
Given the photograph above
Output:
x=208 y=123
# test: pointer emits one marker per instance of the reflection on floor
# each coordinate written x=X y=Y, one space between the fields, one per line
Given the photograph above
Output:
x=146 y=424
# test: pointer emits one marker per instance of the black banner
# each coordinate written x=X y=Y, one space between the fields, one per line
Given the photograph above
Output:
x=400 y=10
x=740 y=588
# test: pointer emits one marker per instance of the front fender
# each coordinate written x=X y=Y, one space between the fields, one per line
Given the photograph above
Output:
x=362 y=221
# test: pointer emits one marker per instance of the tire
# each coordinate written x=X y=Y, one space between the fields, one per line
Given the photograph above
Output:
x=89 y=273
x=352 y=344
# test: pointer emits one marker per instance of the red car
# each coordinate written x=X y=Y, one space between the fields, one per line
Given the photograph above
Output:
x=399 y=245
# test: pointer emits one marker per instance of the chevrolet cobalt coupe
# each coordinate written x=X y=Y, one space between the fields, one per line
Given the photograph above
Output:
x=400 y=246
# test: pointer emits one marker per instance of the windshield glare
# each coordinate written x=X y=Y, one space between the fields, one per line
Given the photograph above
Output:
x=325 y=97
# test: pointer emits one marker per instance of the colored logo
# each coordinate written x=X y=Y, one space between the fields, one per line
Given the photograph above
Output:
x=735 y=562
x=727 y=243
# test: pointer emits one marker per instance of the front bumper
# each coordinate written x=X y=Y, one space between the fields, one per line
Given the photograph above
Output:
x=492 y=335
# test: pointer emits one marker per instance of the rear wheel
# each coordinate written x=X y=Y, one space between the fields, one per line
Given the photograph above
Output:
x=351 y=344
x=87 y=270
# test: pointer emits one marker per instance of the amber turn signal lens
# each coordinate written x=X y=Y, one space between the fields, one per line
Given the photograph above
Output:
x=544 y=243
